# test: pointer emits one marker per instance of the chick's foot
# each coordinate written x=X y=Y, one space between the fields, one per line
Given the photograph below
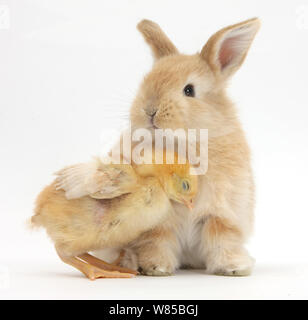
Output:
x=94 y=268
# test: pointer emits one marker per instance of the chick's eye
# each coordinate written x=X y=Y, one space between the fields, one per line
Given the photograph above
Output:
x=185 y=185
x=189 y=90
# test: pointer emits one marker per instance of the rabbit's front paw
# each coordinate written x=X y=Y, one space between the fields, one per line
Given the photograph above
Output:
x=236 y=266
x=155 y=270
x=234 y=272
x=157 y=262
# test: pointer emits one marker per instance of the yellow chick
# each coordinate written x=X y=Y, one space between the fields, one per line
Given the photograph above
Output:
x=132 y=200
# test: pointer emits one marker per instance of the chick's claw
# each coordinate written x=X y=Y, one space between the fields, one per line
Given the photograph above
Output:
x=94 y=268
x=102 y=265
x=97 y=273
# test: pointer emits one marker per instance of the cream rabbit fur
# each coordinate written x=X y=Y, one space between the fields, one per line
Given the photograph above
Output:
x=213 y=236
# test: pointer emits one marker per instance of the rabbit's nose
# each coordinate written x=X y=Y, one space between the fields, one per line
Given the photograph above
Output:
x=151 y=112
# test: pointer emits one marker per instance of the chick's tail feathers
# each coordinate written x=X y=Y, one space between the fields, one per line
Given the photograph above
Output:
x=34 y=221
x=42 y=199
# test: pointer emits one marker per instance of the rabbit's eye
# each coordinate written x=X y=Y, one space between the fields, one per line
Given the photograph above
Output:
x=189 y=90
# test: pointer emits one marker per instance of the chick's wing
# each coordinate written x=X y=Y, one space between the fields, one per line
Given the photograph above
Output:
x=98 y=180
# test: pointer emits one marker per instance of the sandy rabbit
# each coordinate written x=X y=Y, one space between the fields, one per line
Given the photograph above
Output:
x=188 y=91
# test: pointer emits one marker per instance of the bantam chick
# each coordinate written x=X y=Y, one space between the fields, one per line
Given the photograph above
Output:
x=131 y=201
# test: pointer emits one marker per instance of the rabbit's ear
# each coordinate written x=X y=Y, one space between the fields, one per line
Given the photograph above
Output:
x=158 y=41
x=226 y=50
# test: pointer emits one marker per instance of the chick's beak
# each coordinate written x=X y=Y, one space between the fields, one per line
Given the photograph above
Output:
x=189 y=204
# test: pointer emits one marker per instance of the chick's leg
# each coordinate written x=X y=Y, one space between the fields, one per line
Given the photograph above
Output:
x=91 y=271
x=104 y=265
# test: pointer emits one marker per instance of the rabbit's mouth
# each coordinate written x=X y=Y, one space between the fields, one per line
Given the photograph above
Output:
x=153 y=125
x=151 y=114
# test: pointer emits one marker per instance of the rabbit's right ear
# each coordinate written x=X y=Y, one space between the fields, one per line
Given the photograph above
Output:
x=160 y=44
x=226 y=50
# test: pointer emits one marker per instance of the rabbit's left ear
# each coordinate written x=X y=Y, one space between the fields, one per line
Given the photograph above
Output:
x=226 y=50
x=160 y=44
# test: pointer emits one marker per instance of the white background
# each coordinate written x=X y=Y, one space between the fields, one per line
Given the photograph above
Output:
x=68 y=73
